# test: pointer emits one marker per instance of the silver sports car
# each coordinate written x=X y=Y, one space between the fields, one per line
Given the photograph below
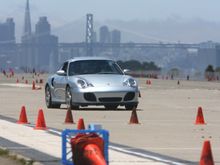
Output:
x=85 y=81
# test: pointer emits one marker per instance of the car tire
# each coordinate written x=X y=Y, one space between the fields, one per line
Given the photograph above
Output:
x=130 y=106
x=69 y=99
x=111 y=106
x=48 y=99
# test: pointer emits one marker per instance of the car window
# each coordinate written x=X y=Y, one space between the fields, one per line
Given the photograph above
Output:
x=94 y=67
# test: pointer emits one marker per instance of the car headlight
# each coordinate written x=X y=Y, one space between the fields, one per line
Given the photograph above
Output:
x=83 y=83
x=130 y=82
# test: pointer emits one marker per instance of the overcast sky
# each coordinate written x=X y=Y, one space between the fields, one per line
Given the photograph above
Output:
x=191 y=14
x=64 y=11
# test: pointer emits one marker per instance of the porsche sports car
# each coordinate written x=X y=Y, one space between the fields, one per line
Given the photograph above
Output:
x=85 y=81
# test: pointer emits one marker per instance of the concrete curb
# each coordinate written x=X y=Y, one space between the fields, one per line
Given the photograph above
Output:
x=19 y=157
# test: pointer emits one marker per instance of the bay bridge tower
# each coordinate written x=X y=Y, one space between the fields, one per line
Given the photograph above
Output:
x=89 y=35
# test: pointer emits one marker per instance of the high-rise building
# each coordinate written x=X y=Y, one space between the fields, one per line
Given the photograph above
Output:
x=218 y=55
x=116 y=36
x=104 y=35
x=26 y=55
x=27 y=21
x=46 y=49
x=42 y=27
x=7 y=44
x=7 y=31
x=39 y=49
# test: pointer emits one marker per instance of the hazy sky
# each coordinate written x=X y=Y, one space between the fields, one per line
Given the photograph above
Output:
x=63 y=11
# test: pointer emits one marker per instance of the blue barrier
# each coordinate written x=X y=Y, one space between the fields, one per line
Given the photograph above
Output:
x=66 y=146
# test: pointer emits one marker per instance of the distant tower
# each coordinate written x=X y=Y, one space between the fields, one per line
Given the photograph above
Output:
x=104 y=35
x=89 y=34
x=27 y=21
x=116 y=36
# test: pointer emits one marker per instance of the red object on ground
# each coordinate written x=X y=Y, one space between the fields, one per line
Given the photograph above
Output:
x=206 y=156
x=23 y=116
x=80 y=124
x=88 y=149
x=17 y=81
x=40 y=123
x=134 y=118
x=147 y=82
x=69 y=117
x=26 y=81
x=33 y=85
x=199 y=118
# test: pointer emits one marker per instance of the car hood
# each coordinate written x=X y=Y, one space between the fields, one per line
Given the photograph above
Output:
x=104 y=79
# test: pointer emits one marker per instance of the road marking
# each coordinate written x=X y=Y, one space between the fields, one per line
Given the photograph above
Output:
x=145 y=156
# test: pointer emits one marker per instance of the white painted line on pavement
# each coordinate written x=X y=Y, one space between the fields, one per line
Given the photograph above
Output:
x=145 y=155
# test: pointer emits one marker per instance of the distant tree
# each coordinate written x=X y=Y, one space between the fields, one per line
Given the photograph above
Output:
x=132 y=65
x=209 y=73
x=150 y=66
x=136 y=65
x=209 y=69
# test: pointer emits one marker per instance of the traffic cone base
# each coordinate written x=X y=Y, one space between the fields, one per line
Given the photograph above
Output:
x=134 y=118
x=206 y=156
x=23 y=116
x=40 y=123
x=69 y=117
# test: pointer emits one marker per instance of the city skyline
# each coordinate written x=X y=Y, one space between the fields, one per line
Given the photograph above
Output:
x=173 y=21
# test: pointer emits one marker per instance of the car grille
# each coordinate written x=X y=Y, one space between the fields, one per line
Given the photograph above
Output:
x=110 y=99
x=89 y=96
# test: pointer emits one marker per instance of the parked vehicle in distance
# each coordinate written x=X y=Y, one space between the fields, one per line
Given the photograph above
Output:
x=85 y=81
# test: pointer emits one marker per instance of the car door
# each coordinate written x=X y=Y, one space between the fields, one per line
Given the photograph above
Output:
x=59 y=83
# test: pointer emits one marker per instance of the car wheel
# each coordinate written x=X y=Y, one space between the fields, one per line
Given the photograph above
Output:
x=111 y=106
x=69 y=99
x=130 y=106
x=48 y=99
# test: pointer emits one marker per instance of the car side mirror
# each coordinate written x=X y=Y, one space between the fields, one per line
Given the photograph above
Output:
x=61 y=73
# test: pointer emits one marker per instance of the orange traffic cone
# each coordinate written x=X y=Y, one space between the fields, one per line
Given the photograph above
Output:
x=23 y=116
x=69 y=117
x=206 y=156
x=93 y=155
x=40 y=123
x=147 y=82
x=33 y=85
x=80 y=124
x=134 y=118
x=200 y=119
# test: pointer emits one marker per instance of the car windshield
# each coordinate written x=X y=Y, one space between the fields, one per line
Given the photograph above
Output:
x=94 y=67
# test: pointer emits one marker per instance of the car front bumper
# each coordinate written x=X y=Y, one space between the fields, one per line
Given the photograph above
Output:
x=103 y=96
